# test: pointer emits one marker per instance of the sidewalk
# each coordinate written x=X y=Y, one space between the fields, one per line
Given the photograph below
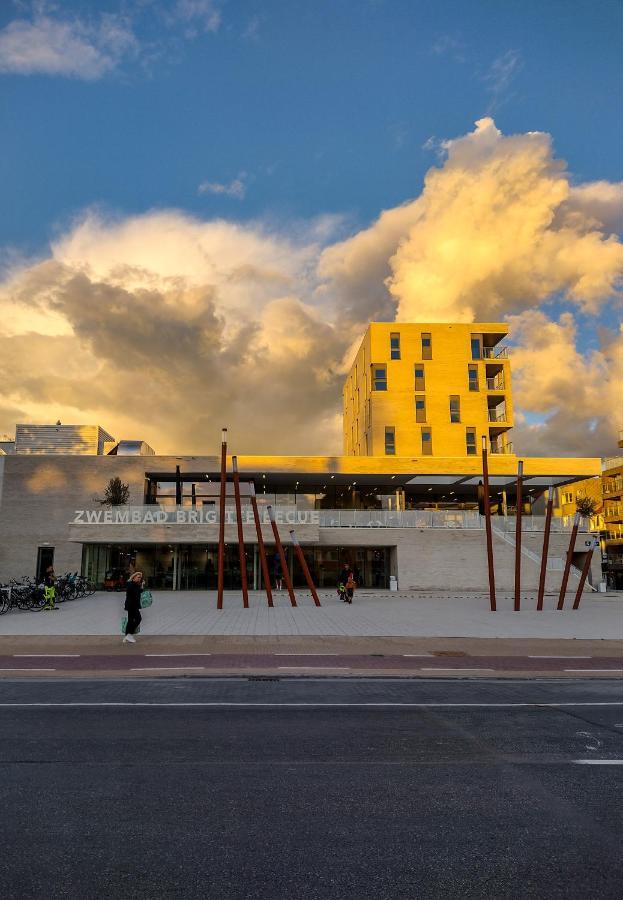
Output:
x=372 y=615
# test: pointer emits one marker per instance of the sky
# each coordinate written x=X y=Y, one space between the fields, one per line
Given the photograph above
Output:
x=205 y=202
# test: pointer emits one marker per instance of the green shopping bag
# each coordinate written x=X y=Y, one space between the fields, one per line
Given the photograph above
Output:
x=146 y=599
x=124 y=623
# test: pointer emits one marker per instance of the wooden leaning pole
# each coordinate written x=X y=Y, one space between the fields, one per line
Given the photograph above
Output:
x=546 y=531
x=487 y=506
x=282 y=555
x=519 y=511
x=567 y=571
x=221 y=522
x=303 y=564
x=241 y=554
x=260 y=546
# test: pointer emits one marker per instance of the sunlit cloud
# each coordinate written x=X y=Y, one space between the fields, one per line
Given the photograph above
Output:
x=164 y=326
x=236 y=188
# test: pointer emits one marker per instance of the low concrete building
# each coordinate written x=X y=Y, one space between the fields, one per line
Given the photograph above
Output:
x=414 y=518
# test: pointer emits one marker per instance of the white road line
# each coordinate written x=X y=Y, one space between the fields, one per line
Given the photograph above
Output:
x=598 y=762
x=29 y=669
x=560 y=657
x=592 y=670
x=455 y=669
x=168 y=655
x=319 y=705
x=166 y=668
x=45 y=655
x=304 y=654
x=316 y=668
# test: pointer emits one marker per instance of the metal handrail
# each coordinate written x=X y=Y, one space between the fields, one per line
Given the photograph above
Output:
x=495 y=416
x=495 y=384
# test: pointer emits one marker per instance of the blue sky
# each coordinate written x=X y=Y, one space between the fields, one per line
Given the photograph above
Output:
x=215 y=170
x=314 y=107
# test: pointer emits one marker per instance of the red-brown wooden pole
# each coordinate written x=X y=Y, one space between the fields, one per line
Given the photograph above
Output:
x=282 y=556
x=221 y=522
x=303 y=564
x=241 y=554
x=585 y=570
x=548 y=525
x=565 y=574
x=519 y=507
x=487 y=504
x=260 y=546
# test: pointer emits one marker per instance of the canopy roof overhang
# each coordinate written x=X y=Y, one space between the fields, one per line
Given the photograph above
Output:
x=376 y=472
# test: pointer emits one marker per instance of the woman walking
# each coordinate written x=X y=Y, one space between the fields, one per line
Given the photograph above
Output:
x=133 y=606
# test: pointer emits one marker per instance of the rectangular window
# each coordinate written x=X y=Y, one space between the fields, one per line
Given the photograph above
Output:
x=379 y=378
x=419 y=378
x=427 y=442
x=420 y=409
x=455 y=408
x=473 y=378
x=476 y=347
x=390 y=441
x=470 y=440
x=394 y=345
x=427 y=346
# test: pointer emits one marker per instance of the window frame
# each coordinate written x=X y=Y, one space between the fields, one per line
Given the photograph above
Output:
x=427 y=442
x=420 y=414
x=422 y=387
x=374 y=367
x=394 y=351
x=473 y=368
x=390 y=431
x=427 y=351
x=455 y=398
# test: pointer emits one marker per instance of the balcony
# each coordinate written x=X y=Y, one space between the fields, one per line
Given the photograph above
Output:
x=502 y=448
x=613 y=512
x=495 y=352
x=497 y=415
x=496 y=383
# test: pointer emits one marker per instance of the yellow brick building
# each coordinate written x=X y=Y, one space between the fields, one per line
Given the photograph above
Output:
x=429 y=390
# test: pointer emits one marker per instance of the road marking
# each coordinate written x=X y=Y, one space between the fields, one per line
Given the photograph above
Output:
x=592 y=670
x=29 y=669
x=316 y=668
x=304 y=654
x=560 y=657
x=455 y=669
x=598 y=762
x=166 y=668
x=167 y=655
x=215 y=704
x=417 y=656
x=45 y=655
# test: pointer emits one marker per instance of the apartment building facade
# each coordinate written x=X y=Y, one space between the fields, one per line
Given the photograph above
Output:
x=429 y=390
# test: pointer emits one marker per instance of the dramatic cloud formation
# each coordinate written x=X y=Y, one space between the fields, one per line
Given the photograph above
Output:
x=165 y=327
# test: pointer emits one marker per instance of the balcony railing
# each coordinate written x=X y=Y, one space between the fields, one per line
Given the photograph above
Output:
x=156 y=516
x=495 y=384
x=497 y=415
x=495 y=352
x=503 y=448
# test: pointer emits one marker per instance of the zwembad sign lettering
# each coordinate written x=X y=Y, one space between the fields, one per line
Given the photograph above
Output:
x=159 y=516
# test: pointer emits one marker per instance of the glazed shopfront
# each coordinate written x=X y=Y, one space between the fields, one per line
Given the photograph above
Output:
x=193 y=566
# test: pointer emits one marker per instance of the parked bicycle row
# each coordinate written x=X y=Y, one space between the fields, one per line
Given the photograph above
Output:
x=33 y=594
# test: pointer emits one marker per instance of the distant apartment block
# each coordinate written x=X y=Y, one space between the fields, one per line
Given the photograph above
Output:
x=72 y=440
x=429 y=390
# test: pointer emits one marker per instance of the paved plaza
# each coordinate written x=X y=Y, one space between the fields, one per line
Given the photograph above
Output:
x=373 y=614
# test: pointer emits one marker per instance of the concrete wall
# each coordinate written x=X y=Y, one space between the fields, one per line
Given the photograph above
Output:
x=38 y=498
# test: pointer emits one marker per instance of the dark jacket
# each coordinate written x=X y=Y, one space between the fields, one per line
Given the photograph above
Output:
x=133 y=597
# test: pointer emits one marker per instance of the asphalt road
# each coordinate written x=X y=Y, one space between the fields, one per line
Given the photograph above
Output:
x=322 y=788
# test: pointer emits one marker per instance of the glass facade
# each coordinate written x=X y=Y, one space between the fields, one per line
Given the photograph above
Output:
x=190 y=567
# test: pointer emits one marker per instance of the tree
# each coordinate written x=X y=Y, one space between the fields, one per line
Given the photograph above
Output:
x=586 y=506
x=116 y=493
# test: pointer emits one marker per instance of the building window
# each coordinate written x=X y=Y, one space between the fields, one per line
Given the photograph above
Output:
x=473 y=378
x=427 y=442
x=455 y=408
x=390 y=441
x=476 y=347
x=419 y=378
x=379 y=378
x=420 y=409
x=427 y=346
x=470 y=440
x=394 y=345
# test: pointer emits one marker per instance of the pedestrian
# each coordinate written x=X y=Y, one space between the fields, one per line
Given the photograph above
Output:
x=277 y=571
x=351 y=584
x=49 y=589
x=132 y=606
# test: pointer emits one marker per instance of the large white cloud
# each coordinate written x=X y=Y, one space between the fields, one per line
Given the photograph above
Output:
x=165 y=327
